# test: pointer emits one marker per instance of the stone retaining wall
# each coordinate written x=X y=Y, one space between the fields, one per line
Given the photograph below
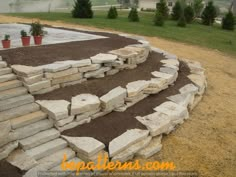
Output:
x=46 y=78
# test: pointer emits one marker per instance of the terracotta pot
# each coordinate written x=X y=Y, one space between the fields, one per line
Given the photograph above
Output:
x=25 y=41
x=6 y=44
x=38 y=40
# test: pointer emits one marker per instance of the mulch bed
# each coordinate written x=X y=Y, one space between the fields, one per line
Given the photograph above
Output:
x=8 y=170
x=46 y=54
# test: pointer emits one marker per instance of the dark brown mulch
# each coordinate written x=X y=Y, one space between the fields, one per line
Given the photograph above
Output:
x=46 y=54
x=101 y=86
x=8 y=170
x=114 y=124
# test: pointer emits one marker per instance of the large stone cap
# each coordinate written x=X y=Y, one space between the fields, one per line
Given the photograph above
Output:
x=103 y=58
x=87 y=146
x=26 y=71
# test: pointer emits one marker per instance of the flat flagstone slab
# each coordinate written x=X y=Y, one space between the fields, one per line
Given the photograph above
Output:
x=56 y=109
x=6 y=94
x=76 y=63
x=125 y=140
x=7 y=77
x=26 y=71
x=4 y=71
x=7 y=149
x=189 y=88
x=183 y=99
x=85 y=145
x=21 y=160
x=84 y=103
x=38 y=86
x=103 y=58
x=10 y=84
x=133 y=88
x=54 y=67
x=63 y=73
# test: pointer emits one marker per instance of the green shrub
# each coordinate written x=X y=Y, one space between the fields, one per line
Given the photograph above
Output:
x=209 y=14
x=82 y=9
x=133 y=15
x=228 y=21
x=162 y=8
x=176 y=11
x=36 y=29
x=189 y=14
x=112 y=13
x=181 y=21
x=159 y=20
x=6 y=37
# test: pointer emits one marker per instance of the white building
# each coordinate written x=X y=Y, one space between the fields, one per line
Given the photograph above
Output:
x=151 y=4
x=233 y=7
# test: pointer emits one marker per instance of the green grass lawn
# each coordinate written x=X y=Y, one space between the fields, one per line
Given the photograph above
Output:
x=211 y=37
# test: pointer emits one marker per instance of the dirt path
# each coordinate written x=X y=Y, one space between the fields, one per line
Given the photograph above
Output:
x=207 y=141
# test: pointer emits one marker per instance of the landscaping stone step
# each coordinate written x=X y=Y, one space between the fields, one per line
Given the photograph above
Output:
x=19 y=111
x=39 y=138
x=32 y=129
x=7 y=77
x=7 y=149
x=76 y=63
x=56 y=158
x=38 y=86
x=16 y=102
x=4 y=71
x=10 y=85
x=125 y=140
x=3 y=64
x=47 y=148
x=28 y=119
x=6 y=94
x=26 y=71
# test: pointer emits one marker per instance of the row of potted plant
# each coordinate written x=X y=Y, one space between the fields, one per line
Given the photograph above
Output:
x=36 y=31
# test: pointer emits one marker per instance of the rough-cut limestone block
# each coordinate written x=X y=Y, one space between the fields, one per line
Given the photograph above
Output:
x=3 y=64
x=174 y=111
x=21 y=160
x=100 y=114
x=155 y=49
x=63 y=73
x=151 y=149
x=189 y=88
x=73 y=124
x=134 y=88
x=170 y=62
x=0 y=58
x=46 y=90
x=54 y=67
x=170 y=78
x=157 y=123
x=168 y=70
x=56 y=109
x=93 y=74
x=31 y=80
x=86 y=115
x=128 y=153
x=126 y=66
x=38 y=86
x=46 y=148
x=183 y=99
x=84 y=103
x=129 y=104
x=99 y=76
x=16 y=102
x=103 y=58
x=10 y=85
x=5 y=128
x=93 y=158
x=6 y=94
x=125 y=140
x=73 y=82
x=56 y=158
x=199 y=81
x=4 y=71
x=26 y=71
x=197 y=99
x=112 y=72
x=172 y=67
x=27 y=119
x=7 y=77
x=76 y=63
x=69 y=78
x=134 y=98
x=160 y=83
x=39 y=138
x=91 y=67
x=33 y=172
x=170 y=56
x=63 y=122
x=19 y=111
x=115 y=63
x=113 y=99
x=7 y=149
x=85 y=145
x=32 y=129
x=123 y=53
x=195 y=67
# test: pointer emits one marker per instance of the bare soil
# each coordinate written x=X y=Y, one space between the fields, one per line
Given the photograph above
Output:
x=206 y=142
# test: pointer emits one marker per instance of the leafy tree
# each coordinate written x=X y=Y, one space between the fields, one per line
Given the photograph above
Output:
x=209 y=14
x=159 y=20
x=162 y=8
x=133 y=15
x=112 y=13
x=82 y=9
x=176 y=11
x=197 y=7
x=188 y=14
x=228 y=21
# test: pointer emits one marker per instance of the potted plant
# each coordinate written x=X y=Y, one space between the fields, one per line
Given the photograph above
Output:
x=25 y=39
x=6 y=42
x=36 y=31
